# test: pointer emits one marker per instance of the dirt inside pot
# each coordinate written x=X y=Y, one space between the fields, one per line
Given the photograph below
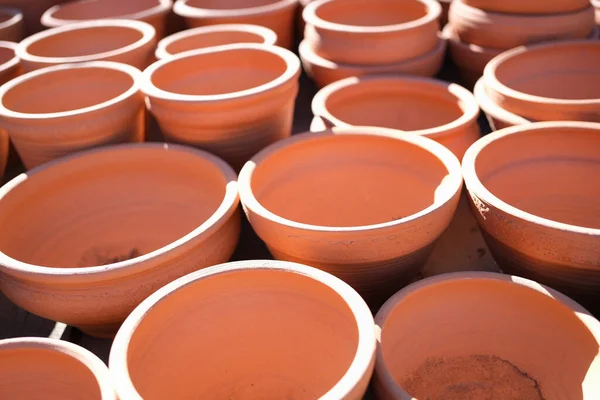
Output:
x=99 y=256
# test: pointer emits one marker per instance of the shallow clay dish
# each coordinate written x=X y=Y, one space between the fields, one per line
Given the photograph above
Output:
x=529 y=6
x=106 y=228
x=9 y=62
x=11 y=24
x=40 y=368
x=497 y=117
x=482 y=335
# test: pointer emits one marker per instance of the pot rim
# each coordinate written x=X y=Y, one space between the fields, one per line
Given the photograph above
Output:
x=182 y=8
x=292 y=70
x=227 y=207
x=389 y=306
x=450 y=161
x=535 y=20
x=17 y=16
x=477 y=188
x=470 y=112
x=450 y=34
x=148 y=35
x=268 y=35
x=132 y=72
x=309 y=14
x=84 y=356
x=13 y=62
x=494 y=110
x=359 y=367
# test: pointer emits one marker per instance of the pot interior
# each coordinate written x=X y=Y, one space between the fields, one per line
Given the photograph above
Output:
x=371 y=12
x=254 y=334
x=6 y=54
x=471 y=339
x=210 y=39
x=108 y=206
x=99 y=9
x=229 y=4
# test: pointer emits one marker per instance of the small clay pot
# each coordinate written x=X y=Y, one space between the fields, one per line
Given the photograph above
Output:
x=10 y=66
x=107 y=227
x=529 y=6
x=210 y=99
x=505 y=31
x=498 y=118
x=532 y=194
x=566 y=85
x=442 y=111
x=11 y=24
x=286 y=315
x=125 y=41
x=214 y=35
x=362 y=32
x=4 y=146
x=323 y=72
x=32 y=12
x=476 y=335
x=40 y=368
x=154 y=12
x=277 y=15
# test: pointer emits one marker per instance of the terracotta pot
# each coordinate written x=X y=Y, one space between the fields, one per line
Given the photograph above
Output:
x=40 y=368
x=498 y=117
x=277 y=15
x=107 y=227
x=209 y=99
x=9 y=62
x=362 y=32
x=324 y=72
x=290 y=316
x=325 y=199
x=505 y=31
x=124 y=41
x=214 y=35
x=482 y=335
x=531 y=193
x=529 y=6
x=11 y=24
x=32 y=12
x=511 y=85
x=4 y=145
x=442 y=111
x=154 y=12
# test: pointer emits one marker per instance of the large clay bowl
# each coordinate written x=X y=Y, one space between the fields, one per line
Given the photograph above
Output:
x=86 y=238
x=498 y=117
x=11 y=24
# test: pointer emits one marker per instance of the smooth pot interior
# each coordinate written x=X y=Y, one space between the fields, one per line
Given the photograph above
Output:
x=470 y=339
x=6 y=54
x=348 y=180
x=245 y=334
x=229 y=4
x=108 y=206
x=210 y=39
x=371 y=12
x=98 y=9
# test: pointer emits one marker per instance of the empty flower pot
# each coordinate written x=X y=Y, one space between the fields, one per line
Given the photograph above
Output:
x=498 y=117
x=231 y=100
x=529 y=6
x=107 y=227
x=535 y=195
x=565 y=85
x=40 y=368
x=277 y=15
x=482 y=335
x=10 y=66
x=11 y=24
x=442 y=111
x=214 y=35
x=337 y=200
x=124 y=41
x=59 y=110
x=362 y=32
x=313 y=334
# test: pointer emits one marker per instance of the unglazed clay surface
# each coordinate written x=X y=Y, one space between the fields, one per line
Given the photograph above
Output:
x=9 y=63
x=529 y=6
x=11 y=24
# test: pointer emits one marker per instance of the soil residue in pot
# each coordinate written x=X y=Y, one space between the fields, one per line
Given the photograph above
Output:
x=476 y=377
x=97 y=257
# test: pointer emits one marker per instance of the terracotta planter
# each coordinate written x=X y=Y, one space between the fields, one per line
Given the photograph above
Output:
x=277 y=15
x=11 y=24
x=529 y=6
x=511 y=85
x=498 y=117
x=442 y=111
x=531 y=193
x=324 y=72
x=214 y=35
x=32 y=12
x=290 y=316
x=124 y=41
x=107 y=227
x=325 y=199
x=362 y=32
x=505 y=31
x=209 y=99
x=40 y=368
x=4 y=145
x=9 y=62
x=482 y=335
x=154 y=12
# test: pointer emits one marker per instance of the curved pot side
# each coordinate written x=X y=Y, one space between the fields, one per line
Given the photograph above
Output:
x=529 y=6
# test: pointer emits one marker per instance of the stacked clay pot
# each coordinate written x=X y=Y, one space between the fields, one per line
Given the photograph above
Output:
x=345 y=38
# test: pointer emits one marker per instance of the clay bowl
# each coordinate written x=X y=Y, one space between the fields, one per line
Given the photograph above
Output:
x=11 y=24
x=337 y=200
x=286 y=315
x=40 y=368
x=573 y=64
x=125 y=41
x=362 y=32
x=209 y=99
x=529 y=6
x=9 y=62
x=534 y=196
x=107 y=227
x=482 y=335
x=277 y=15
x=497 y=117
x=154 y=12
x=58 y=110
x=214 y=35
